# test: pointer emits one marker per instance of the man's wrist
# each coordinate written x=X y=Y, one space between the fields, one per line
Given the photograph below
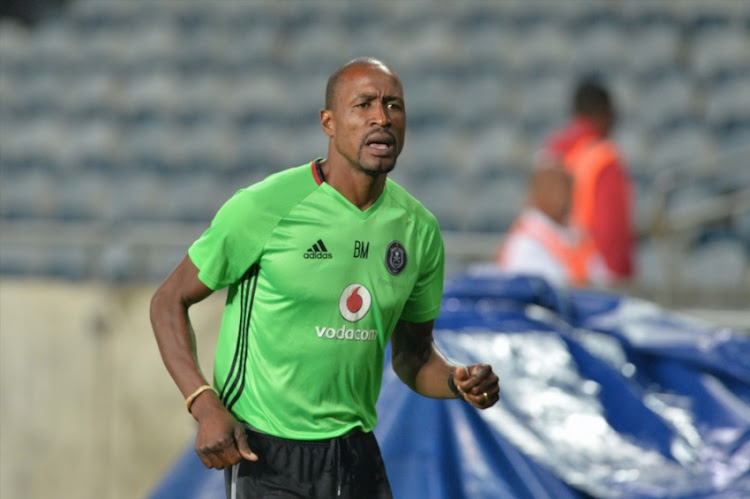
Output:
x=453 y=387
x=205 y=404
x=197 y=393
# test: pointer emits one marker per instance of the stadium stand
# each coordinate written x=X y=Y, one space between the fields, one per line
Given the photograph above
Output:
x=125 y=124
x=143 y=112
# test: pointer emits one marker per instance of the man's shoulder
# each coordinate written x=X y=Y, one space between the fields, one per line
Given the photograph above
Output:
x=410 y=203
x=573 y=133
x=289 y=178
x=273 y=196
x=281 y=187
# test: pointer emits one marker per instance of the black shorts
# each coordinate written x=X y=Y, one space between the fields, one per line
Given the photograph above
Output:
x=350 y=466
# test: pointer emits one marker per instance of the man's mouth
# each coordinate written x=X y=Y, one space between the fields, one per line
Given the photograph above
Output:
x=381 y=142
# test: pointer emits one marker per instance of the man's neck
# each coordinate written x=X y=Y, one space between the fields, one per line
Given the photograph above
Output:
x=591 y=125
x=361 y=189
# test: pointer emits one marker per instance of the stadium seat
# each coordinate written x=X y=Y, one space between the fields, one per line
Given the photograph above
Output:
x=495 y=203
x=718 y=264
x=8 y=90
x=139 y=196
x=644 y=199
x=496 y=149
x=258 y=147
x=68 y=262
x=544 y=48
x=599 y=48
x=209 y=142
x=682 y=148
x=689 y=197
x=205 y=48
x=85 y=197
x=728 y=102
x=666 y=99
x=313 y=44
x=720 y=49
x=742 y=226
x=203 y=99
x=55 y=261
x=527 y=16
x=153 y=146
x=651 y=263
x=29 y=194
x=257 y=97
x=431 y=151
x=430 y=102
x=15 y=46
x=156 y=90
x=433 y=45
x=42 y=142
x=54 y=45
x=36 y=93
x=441 y=195
x=303 y=145
x=652 y=48
x=625 y=89
x=96 y=145
x=543 y=102
x=195 y=197
x=483 y=98
x=159 y=264
x=734 y=137
x=635 y=147
x=646 y=15
x=155 y=42
x=488 y=45
x=88 y=17
x=252 y=45
x=93 y=95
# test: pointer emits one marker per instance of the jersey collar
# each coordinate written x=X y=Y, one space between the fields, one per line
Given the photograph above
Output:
x=317 y=172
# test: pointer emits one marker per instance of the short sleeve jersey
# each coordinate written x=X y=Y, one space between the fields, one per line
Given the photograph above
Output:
x=316 y=287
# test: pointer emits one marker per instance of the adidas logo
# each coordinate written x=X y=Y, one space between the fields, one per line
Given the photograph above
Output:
x=318 y=251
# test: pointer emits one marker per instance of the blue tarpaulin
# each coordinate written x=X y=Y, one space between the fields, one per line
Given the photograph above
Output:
x=603 y=395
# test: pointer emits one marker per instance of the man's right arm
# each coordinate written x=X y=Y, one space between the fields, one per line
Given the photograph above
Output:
x=221 y=438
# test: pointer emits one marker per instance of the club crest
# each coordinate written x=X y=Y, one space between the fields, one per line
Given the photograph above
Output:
x=395 y=258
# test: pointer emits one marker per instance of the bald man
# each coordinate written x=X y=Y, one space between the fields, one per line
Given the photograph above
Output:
x=325 y=264
x=541 y=243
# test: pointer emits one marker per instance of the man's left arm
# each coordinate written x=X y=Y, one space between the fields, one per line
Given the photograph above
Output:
x=420 y=365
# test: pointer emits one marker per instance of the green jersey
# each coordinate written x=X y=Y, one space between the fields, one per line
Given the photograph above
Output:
x=316 y=287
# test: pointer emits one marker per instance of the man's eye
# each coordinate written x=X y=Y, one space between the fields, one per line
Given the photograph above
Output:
x=394 y=106
x=363 y=104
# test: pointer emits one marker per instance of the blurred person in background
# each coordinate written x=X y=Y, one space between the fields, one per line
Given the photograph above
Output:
x=325 y=263
x=541 y=242
x=601 y=202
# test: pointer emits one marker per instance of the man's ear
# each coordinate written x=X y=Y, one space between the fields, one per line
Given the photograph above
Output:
x=326 y=121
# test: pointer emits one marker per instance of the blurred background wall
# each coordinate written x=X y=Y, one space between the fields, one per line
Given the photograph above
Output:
x=125 y=125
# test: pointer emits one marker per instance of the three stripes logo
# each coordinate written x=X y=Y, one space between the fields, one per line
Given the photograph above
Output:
x=318 y=251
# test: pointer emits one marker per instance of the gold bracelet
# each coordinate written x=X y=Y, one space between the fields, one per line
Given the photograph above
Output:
x=191 y=398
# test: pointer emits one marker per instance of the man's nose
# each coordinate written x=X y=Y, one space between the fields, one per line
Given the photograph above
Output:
x=380 y=115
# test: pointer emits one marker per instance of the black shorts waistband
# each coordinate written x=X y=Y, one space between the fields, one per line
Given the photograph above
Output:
x=353 y=433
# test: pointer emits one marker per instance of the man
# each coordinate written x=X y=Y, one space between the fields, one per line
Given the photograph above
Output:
x=325 y=263
x=601 y=191
x=541 y=243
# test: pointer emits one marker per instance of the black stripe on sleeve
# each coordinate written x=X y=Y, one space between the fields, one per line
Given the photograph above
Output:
x=235 y=383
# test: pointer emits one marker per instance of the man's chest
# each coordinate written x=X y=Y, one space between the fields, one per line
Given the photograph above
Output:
x=347 y=263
